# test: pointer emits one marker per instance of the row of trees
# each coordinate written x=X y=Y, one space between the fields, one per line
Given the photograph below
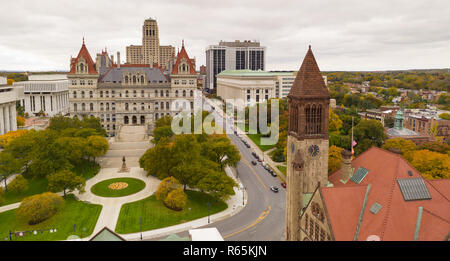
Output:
x=54 y=152
x=418 y=79
x=197 y=161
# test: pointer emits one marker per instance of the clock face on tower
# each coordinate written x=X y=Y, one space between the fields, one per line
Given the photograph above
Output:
x=313 y=150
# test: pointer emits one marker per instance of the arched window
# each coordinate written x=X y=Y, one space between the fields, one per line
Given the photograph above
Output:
x=126 y=79
x=142 y=93
x=156 y=93
x=319 y=119
x=107 y=106
x=162 y=93
x=192 y=93
x=101 y=106
x=156 y=116
x=134 y=93
x=83 y=107
x=308 y=118
x=167 y=93
x=91 y=106
x=82 y=94
x=142 y=79
x=91 y=94
x=167 y=105
x=176 y=93
x=184 y=93
x=74 y=94
x=313 y=120
x=126 y=106
x=134 y=78
x=75 y=107
x=101 y=94
x=126 y=93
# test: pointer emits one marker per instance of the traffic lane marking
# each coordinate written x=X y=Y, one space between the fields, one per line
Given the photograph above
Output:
x=263 y=215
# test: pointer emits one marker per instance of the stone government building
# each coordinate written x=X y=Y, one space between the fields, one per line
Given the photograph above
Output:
x=129 y=94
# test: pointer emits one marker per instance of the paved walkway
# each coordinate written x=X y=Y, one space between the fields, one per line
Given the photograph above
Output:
x=112 y=205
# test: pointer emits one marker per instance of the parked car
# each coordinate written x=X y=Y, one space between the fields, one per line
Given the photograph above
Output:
x=253 y=162
x=274 y=189
x=260 y=160
x=247 y=145
x=273 y=174
x=283 y=185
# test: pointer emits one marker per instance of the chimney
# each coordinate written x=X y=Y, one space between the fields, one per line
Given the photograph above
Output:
x=346 y=166
x=118 y=60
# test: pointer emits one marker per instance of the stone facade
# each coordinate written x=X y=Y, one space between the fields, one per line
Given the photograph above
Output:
x=128 y=94
x=150 y=52
x=307 y=151
x=45 y=93
x=9 y=96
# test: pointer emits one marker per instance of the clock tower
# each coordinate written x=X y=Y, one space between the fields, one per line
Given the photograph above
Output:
x=307 y=151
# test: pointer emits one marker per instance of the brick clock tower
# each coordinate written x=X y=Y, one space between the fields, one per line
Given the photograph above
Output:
x=307 y=142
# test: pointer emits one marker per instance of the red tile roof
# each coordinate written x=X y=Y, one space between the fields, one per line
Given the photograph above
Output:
x=183 y=54
x=309 y=81
x=396 y=220
x=83 y=53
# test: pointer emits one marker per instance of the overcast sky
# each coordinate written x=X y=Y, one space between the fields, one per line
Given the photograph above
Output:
x=345 y=35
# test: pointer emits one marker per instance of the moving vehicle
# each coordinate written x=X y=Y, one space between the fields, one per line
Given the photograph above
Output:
x=283 y=185
x=274 y=189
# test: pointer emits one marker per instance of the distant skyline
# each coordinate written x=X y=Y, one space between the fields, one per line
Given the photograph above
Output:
x=344 y=35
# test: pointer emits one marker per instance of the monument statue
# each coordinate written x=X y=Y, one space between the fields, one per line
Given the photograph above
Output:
x=124 y=166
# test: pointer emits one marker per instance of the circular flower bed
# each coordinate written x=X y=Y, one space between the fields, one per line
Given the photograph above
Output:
x=118 y=187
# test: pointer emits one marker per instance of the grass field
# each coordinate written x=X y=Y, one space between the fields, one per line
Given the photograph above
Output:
x=155 y=215
x=39 y=185
x=77 y=213
x=134 y=185
x=282 y=169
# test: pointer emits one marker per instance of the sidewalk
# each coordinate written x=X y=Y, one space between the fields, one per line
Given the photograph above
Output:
x=234 y=206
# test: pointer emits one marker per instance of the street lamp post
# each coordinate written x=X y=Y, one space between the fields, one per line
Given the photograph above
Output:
x=140 y=224
x=209 y=205
x=243 y=194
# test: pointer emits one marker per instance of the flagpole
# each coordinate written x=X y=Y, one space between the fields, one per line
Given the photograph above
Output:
x=352 y=136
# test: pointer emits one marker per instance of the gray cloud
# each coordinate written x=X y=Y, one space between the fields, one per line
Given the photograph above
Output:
x=345 y=35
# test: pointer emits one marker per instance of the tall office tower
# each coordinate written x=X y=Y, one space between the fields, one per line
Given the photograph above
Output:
x=165 y=53
x=235 y=55
x=150 y=42
x=134 y=54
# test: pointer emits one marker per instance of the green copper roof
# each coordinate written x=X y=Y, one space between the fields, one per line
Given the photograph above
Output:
x=106 y=235
x=250 y=73
x=174 y=237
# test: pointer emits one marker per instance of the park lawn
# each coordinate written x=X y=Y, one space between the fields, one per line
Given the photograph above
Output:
x=155 y=215
x=134 y=185
x=282 y=169
x=39 y=185
x=74 y=212
x=256 y=138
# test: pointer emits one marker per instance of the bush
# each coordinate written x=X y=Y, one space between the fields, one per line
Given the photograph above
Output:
x=176 y=199
x=40 y=207
x=18 y=185
x=165 y=187
x=20 y=121
x=278 y=155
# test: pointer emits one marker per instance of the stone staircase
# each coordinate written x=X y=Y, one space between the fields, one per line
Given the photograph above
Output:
x=132 y=134
x=131 y=142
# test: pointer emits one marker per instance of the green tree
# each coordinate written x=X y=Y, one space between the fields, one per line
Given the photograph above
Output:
x=431 y=164
x=368 y=133
x=165 y=187
x=66 y=181
x=8 y=166
x=334 y=159
x=406 y=147
x=159 y=161
x=96 y=146
x=445 y=116
x=176 y=199
x=18 y=185
x=334 y=122
x=218 y=185
x=186 y=152
x=38 y=208
x=75 y=146
x=163 y=121
x=220 y=150
x=162 y=132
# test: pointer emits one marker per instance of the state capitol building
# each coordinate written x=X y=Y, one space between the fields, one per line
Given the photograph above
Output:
x=130 y=94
